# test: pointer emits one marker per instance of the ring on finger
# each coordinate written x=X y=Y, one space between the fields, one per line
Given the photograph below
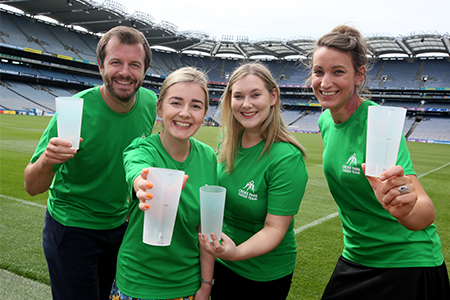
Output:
x=403 y=189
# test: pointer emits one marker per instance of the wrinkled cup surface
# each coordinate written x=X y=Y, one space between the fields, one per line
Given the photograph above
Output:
x=212 y=204
x=384 y=132
x=69 y=112
x=159 y=219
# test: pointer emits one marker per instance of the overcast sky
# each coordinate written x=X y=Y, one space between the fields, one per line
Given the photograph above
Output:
x=288 y=19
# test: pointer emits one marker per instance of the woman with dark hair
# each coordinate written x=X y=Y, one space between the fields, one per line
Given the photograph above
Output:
x=391 y=248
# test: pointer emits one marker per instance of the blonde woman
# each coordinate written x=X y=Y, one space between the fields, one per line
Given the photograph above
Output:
x=181 y=270
x=261 y=165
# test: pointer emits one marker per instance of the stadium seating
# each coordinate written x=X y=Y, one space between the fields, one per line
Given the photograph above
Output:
x=438 y=72
x=434 y=128
x=385 y=75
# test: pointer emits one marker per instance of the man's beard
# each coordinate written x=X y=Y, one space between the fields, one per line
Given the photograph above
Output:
x=122 y=98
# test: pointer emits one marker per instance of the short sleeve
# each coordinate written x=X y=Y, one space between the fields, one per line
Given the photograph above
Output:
x=136 y=157
x=50 y=132
x=404 y=158
x=286 y=184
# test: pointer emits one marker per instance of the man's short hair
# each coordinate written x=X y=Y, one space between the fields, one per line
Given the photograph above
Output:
x=126 y=35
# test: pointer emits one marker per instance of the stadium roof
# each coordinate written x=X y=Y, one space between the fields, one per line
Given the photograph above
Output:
x=98 y=18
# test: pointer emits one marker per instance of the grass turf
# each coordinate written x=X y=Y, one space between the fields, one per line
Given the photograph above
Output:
x=318 y=247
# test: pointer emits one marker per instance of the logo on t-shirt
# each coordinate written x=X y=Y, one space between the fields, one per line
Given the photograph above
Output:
x=250 y=186
x=351 y=166
x=248 y=191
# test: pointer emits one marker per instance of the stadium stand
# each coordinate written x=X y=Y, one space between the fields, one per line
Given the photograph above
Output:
x=42 y=60
x=415 y=74
x=433 y=128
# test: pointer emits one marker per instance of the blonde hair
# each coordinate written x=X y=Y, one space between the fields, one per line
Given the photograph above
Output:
x=185 y=75
x=273 y=128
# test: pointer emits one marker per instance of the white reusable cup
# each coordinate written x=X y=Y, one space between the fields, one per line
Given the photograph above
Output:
x=159 y=219
x=69 y=112
x=384 y=131
x=212 y=204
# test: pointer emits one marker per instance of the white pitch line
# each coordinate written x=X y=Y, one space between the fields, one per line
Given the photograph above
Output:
x=319 y=221
x=298 y=230
x=316 y=222
x=424 y=174
x=23 y=201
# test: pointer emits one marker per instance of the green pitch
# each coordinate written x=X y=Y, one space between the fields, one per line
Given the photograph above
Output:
x=319 y=245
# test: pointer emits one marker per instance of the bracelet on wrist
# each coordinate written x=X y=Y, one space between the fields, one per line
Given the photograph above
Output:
x=211 y=283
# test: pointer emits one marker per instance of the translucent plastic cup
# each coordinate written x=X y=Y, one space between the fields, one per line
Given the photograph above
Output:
x=69 y=112
x=159 y=219
x=212 y=204
x=384 y=131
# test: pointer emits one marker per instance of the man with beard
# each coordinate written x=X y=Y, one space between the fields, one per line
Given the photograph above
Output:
x=87 y=203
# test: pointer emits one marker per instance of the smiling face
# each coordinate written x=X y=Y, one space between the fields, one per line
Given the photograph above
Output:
x=251 y=102
x=182 y=110
x=122 y=70
x=335 y=81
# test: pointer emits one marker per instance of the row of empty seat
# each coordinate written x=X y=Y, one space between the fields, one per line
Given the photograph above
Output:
x=28 y=32
x=29 y=96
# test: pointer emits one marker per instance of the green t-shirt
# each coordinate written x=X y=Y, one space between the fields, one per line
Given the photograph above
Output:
x=155 y=272
x=89 y=191
x=273 y=183
x=372 y=237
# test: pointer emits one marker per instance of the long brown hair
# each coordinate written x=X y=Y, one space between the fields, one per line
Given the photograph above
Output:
x=272 y=130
